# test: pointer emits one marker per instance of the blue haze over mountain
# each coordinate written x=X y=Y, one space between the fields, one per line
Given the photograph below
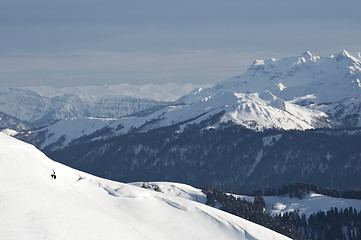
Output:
x=67 y=43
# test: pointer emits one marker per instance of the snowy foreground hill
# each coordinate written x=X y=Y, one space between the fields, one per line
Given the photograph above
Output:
x=77 y=205
x=311 y=203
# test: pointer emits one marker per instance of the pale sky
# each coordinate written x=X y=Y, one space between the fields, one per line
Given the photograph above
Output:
x=96 y=42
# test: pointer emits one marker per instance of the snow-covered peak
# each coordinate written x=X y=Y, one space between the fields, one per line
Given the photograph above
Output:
x=299 y=76
x=347 y=59
x=307 y=80
x=309 y=56
x=77 y=205
x=345 y=54
x=258 y=62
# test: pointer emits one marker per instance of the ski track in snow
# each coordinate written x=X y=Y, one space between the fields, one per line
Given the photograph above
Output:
x=256 y=162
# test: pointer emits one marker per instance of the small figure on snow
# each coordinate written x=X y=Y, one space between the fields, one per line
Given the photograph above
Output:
x=53 y=175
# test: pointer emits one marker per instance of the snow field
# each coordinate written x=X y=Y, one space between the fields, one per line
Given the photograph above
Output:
x=77 y=205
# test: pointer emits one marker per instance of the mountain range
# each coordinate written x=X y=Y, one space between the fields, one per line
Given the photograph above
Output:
x=304 y=92
x=292 y=119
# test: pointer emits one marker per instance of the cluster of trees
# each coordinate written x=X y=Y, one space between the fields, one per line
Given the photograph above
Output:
x=252 y=211
x=333 y=224
x=149 y=186
x=300 y=189
x=228 y=201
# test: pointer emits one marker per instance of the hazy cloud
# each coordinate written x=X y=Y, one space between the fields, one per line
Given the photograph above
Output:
x=62 y=42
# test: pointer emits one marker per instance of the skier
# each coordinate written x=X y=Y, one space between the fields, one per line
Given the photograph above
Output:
x=53 y=175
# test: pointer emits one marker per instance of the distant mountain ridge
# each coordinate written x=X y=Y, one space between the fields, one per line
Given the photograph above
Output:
x=322 y=79
x=331 y=85
x=38 y=107
x=301 y=92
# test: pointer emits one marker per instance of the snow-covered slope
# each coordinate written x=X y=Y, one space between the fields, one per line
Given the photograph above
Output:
x=177 y=190
x=255 y=111
x=10 y=122
x=77 y=205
